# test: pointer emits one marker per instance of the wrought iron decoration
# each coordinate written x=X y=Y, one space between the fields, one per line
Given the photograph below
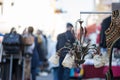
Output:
x=80 y=48
x=112 y=36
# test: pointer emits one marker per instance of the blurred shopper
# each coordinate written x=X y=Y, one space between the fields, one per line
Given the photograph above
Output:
x=16 y=66
x=42 y=50
x=64 y=39
x=34 y=51
x=12 y=45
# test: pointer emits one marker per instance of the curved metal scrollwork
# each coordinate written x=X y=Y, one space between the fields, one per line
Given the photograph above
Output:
x=112 y=36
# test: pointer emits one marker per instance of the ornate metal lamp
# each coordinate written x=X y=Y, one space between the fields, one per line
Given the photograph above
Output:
x=80 y=48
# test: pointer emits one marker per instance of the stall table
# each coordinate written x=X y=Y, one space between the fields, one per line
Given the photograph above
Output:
x=91 y=72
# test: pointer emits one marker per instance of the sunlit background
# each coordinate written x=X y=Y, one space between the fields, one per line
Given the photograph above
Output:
x=47 y=15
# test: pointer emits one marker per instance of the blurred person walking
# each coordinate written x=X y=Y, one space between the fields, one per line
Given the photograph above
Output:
x=42 y=50
x=12 y=46
x=64 y=39
x=33 y=51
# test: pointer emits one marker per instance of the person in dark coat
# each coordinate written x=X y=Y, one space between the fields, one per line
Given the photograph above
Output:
x=64 y=39
x=35 y=61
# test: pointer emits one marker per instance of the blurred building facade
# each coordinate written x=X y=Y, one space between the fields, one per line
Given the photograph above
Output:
x=48 y=15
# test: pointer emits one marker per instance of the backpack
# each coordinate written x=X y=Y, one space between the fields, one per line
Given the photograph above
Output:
x=39 y=39
x=12 y=43
x=28 y=39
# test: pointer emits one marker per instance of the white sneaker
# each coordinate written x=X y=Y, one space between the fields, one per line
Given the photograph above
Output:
x=43 y=74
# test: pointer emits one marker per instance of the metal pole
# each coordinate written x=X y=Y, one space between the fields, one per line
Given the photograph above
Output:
x=23 y=70
x=11 y=62
x=95 y=12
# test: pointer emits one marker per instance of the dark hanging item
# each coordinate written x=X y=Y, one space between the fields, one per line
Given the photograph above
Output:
x=112 y=36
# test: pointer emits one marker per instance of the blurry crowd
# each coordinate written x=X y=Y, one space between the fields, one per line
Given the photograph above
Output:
x=42 y=48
